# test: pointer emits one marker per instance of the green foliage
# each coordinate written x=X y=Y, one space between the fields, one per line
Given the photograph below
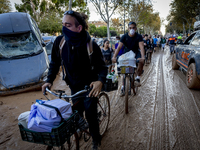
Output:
x=102 y=32
x=51 y=23
x=92 y=29
x=38 y=9
x=183 y=12
x=5 y=6
x=113 y=33
x=141 y=12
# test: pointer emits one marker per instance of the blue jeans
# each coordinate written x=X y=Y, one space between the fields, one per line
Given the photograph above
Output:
x=172 y=47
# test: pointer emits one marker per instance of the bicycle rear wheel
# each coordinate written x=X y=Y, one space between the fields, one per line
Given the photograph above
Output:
x=127 y=88
x=103 y=112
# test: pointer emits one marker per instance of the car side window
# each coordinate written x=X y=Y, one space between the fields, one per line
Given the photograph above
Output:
x=196 y=40
x=189 y=39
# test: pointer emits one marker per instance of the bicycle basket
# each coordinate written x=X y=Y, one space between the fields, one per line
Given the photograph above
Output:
x=57 y=137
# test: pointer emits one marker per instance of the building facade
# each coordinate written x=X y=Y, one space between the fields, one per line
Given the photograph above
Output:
x=98 y=23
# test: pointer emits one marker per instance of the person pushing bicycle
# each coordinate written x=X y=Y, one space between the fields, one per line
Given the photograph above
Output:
x=80 y=67
x=133 y=41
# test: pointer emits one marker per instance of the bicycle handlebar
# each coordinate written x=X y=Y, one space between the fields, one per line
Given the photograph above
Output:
x=65 y=95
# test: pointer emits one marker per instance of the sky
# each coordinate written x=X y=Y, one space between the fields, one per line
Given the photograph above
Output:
x=161 y=6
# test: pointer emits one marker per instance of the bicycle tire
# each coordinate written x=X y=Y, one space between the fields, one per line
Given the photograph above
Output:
x=127 y=80
x=103 y=112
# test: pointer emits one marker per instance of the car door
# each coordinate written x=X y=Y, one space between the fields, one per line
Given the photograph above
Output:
x=183 y=51
x=195 y=52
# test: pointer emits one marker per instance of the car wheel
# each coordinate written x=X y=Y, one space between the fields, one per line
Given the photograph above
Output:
x=175 y=66
x=192 y=80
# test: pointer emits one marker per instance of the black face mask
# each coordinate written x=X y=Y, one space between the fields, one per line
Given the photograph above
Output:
x=74 y=38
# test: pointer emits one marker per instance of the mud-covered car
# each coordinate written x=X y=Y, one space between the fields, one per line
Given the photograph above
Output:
x=23 y=58
x=187 y=57
x=49 y=40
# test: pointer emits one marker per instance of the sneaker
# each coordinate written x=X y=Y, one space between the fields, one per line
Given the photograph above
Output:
x=137 y=82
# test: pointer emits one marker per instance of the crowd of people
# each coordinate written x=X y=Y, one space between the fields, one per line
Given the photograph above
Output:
x=70 y=51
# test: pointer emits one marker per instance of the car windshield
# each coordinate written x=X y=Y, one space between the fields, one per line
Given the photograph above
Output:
x=23 y=44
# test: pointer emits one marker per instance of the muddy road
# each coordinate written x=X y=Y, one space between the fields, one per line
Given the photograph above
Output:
x=163 y=115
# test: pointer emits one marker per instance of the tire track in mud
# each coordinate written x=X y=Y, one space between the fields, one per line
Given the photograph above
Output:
x=184 y=113
x=160 y=137
x=132 y=131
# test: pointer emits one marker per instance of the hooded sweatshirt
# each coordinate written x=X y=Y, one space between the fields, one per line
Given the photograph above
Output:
x=78 y=66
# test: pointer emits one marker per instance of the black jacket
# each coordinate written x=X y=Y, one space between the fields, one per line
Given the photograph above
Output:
x=77 y=64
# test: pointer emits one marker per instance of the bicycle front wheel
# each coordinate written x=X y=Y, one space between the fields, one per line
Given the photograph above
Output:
x=127 y=83
x=103 y=112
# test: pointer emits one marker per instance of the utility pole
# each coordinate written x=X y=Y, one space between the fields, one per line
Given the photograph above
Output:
x=70 y=4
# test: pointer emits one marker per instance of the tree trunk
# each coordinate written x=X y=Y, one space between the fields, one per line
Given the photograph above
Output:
x=108 y=21
x=108 y=29
x=189 y=28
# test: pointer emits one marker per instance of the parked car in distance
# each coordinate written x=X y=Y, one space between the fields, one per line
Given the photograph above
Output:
x=49 y=40
x=23 y=59
x=187 y=57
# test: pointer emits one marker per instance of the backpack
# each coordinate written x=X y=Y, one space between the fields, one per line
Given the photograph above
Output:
x=89 y=50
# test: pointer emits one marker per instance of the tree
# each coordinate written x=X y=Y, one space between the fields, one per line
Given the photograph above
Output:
x=183 y=12
x=38 y=9
x=117 y=24
x=48 y=13
x=139 y=11
x=101 y=31
x=5 y=6
x=113 y=33
x=153 y=23
x=51 y=23
x=92 y=29
x=106 y=9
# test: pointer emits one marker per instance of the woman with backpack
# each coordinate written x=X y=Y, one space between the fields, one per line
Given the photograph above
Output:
x=107 y=53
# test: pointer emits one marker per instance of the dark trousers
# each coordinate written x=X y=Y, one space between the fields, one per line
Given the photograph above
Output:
x=89 y=105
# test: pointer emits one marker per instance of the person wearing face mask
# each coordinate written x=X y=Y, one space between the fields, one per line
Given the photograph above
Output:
x=80 y=70
x=133 y=41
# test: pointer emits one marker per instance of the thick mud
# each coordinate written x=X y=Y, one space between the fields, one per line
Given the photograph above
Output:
x=164 y=114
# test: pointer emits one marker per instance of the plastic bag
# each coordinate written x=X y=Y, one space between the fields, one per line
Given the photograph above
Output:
x=127 y=59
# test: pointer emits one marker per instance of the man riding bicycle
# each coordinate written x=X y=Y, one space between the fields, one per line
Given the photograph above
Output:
x=79 y=67
x=133 y=41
